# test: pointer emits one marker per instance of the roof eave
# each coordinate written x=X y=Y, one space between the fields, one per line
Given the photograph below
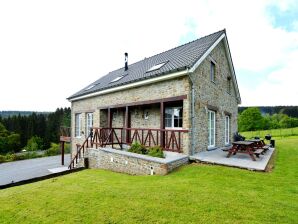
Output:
x=132 y=85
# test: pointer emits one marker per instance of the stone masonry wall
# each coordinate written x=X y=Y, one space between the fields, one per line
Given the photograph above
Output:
x=214 y=95
x=164 y=89
x=131 y=163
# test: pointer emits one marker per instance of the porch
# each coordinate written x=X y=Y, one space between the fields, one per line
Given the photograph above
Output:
x=244 y=161
x=121 y=138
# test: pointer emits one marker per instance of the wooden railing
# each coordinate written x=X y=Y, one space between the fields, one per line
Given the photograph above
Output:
x=168 y=139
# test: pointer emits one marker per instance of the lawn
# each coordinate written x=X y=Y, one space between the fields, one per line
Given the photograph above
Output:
x=283 y=132
x=195 y=193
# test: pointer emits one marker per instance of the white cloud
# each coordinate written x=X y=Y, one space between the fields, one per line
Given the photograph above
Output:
x=51 y=49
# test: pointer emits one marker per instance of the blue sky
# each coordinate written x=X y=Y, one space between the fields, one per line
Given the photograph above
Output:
x=51 y=49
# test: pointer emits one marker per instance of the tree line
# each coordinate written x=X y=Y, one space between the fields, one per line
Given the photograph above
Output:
x=291 y=111
x=33 y=130
x=251 y=119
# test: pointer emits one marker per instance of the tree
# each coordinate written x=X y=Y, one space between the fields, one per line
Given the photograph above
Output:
x=251 y=119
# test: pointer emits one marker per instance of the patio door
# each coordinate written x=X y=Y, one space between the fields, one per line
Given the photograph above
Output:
x=211 y=129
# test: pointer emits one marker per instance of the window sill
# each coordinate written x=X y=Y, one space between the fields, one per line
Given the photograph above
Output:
x=210 y=148
x=78 y=137
x=170 y=128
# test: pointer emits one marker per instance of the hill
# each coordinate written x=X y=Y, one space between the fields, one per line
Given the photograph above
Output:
x=9 y=113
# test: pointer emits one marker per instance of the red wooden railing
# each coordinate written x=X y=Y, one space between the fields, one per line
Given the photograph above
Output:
x=168 y=139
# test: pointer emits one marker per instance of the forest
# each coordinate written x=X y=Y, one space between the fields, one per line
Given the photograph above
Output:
x=31 y=130
x=252 y=119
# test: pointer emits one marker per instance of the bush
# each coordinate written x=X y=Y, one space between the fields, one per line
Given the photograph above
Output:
x=34 y=143
x=137 y=147
x=156 y=151
x=54 y=150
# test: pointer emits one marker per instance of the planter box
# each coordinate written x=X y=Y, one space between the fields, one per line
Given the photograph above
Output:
x=132 y=163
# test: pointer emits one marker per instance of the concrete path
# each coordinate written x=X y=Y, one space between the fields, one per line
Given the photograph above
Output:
x=30 y=168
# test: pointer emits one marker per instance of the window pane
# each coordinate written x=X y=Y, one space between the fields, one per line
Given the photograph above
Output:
x=211 y=128
x=89 y=123
x=78 y=125
x=227 y=130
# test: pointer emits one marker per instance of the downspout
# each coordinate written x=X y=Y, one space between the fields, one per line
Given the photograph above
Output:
x=192 y=113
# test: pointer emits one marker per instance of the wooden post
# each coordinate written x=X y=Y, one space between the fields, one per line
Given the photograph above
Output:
x=126 y=125
x=162 y=125
x=62 y=152
x=109 y=118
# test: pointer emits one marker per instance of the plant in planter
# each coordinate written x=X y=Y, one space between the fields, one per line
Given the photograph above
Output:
x=155 y=151
x=137 y=147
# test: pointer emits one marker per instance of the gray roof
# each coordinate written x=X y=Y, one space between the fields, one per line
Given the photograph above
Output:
x=178 y=58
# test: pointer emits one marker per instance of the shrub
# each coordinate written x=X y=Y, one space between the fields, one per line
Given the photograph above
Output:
x=54 y=150
x=2 y=158
x=137 y=147
x=34 y=143
x=156 y=151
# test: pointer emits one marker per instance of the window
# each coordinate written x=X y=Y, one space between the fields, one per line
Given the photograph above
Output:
x=211 y=128
x=89 y=123
x=117 y=78
x=78 y=125
x=155 y=67
x=173 y=117
x=212 y=71
x=229 y=85
x=90 y=87
x=227 y=130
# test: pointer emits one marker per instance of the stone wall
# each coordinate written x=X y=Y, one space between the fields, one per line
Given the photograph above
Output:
x=215 y=96
x=160 y=90
x=131 y=163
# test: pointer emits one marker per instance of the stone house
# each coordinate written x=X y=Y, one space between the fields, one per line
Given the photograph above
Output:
x=184 y=99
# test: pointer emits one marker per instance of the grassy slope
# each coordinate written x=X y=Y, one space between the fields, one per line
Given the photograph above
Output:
x=193 y=194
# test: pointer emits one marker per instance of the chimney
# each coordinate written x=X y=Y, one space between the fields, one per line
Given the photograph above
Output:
x=126 y=62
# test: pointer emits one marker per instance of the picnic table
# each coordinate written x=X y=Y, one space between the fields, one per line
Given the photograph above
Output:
x=259 y=143
x=247 y=147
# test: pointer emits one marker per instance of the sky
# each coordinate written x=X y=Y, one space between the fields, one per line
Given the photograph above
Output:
x=52 y=49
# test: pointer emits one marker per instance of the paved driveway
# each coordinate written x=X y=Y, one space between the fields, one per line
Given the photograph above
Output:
x=26 y=169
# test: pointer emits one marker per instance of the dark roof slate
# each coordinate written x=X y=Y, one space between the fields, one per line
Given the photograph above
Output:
x=178 y=58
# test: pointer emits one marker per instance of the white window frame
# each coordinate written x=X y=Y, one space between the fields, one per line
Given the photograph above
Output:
x=89 y=122
x=227 y=129
x=78 y=125
x=211 y=135
x=172 y=118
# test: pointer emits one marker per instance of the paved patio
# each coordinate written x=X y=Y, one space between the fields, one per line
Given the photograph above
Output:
x=240 y=160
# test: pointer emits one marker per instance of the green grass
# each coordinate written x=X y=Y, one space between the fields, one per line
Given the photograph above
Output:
x=283 y=132
x=195 y=193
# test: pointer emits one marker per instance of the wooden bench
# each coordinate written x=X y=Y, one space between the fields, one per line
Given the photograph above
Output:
x=258 y=152
x=265 y=148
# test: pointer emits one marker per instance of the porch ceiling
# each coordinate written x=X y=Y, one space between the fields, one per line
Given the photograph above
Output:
x=146 y=102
